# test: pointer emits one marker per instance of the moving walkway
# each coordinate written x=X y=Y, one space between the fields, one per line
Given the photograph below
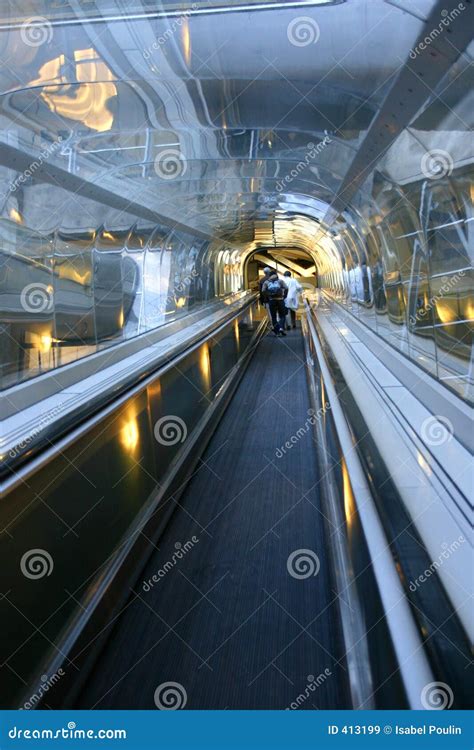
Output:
x=186 y=501
x=210 y=535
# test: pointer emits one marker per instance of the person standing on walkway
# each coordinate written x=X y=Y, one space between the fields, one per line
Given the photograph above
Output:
x=263 y=300
x=292 y=300
x=274 y=291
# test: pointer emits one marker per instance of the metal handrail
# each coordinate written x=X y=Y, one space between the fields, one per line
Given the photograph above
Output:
x=116 y=400
x=412 y=660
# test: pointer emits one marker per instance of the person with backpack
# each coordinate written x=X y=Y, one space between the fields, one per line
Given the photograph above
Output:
x=262 y=299
x=274 y=291
x=292 y=299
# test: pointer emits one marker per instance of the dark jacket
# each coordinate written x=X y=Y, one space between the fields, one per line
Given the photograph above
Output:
x=283 y=288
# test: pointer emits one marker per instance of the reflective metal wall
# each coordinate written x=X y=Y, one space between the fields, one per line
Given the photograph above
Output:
x=406 y=243
x=406 y=271
x=142 y=441
x=68 y=293
x=141 y=162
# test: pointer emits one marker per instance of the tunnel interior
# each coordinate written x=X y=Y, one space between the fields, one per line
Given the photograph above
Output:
x=154 y=158
x=164 y=162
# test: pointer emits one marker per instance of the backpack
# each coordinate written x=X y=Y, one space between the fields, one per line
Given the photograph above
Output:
x=273 y=288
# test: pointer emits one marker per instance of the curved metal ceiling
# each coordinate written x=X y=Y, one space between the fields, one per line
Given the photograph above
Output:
x=248 y=128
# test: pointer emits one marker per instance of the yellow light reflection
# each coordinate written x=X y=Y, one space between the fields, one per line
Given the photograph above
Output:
x=46 y=343
x=205 y=365
x=154 y=392
x=424 y=464
x=129 y=435
x=349 y=502
x=469 y=308
x=186 y=40
x=86 y=102
x=121 y=319
x=237 y=332
x=68 y=272
x=181 y=301
x=445 y=313
x=16 y=216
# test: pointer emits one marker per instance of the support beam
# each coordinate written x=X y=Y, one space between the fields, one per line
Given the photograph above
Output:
x=21 y=161
x=411 y=89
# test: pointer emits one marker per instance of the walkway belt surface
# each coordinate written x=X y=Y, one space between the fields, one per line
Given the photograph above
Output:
x=227 y=621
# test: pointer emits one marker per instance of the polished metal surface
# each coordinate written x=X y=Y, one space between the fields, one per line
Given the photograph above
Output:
x=154 y=156
x=101 y=383
x=146 y=151
x=91 y=521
